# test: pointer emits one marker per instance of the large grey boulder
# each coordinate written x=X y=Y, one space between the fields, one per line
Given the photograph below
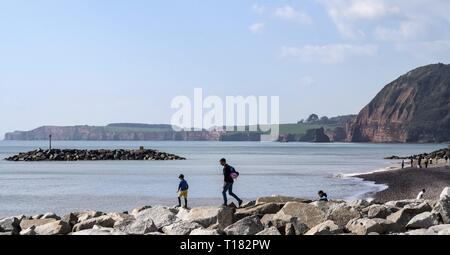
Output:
x=307 y=214
x=380 y=211
x=388 y=226
x=28 y=232
x=342 y=214
x=104 y=221
x=423 y=220
x=11 y=224
x=438 y=228
x=25 y=224
x=53 y=228
x=262 y=209
x=97 y=232
x=325 y=228
x=364 y=226
x=272 y=231
x=402 y=203
x=136 y=227
x=420 y=232
x=204 y=232
x=247 y=226
x=135 y=211
x=181 y=228
x=443 y=205
x=280 y=200
x=82 y=216
x=403 y=216
x=294 y=227
x=50 y=215
x=161 y=216
x=208 y=216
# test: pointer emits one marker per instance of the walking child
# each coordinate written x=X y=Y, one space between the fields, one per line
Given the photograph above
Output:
x=182 y=191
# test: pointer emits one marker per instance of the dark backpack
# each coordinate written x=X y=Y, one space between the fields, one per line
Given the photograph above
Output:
x=234 y=174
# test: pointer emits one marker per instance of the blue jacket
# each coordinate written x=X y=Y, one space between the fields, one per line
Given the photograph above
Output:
x=183 y=185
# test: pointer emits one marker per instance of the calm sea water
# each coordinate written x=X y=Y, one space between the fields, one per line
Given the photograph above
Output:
x=295 y=169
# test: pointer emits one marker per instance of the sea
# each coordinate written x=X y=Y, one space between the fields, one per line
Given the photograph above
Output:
x=266 y=168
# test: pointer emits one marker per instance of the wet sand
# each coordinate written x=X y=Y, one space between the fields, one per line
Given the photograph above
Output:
x=407 y=183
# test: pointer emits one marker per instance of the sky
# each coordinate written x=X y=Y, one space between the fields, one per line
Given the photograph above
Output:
x=94 y=62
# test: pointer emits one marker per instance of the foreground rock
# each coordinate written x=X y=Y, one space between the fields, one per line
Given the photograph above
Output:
x=268 y=216
x=92 y=155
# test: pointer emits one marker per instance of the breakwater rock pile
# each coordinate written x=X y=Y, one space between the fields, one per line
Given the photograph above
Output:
x=92 y=155
x=265 y=216
x=435 y=154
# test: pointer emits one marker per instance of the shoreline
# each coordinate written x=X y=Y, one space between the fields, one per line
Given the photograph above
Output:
x=406 y=183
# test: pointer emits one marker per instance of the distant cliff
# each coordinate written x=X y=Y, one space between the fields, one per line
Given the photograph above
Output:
x=118 y=132
x=413 y=108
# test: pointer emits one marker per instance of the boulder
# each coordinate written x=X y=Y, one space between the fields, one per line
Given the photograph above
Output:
x=135 y=211
x=204 y=232
x=70 y=218
x=262 y=209
x=438 y=228
x=364 y=226
x=248 y=204
x=53 y=228
x=420 y=232
x=423 y=220
x=50 y=216
x=280 y=200
x=402 y=203
x=388 y=226
x=294 y=227
x=342 y=214
x=82 y=216
x=136 y=227
x=207 y=216
x=181 y=228
x=272 y=231
x=104 y=221
x=161 y=216
x=443 y=205
x=403 y=216
x=96 y=232
x=24 y=224
x=380 y=211
x=307 y=214
x=247 y=226
x=28 y=232
x=359 y=203
x=11 y=224
x=325 y=228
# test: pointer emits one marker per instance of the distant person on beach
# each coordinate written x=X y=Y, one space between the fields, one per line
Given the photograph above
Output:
x=412 y=161
x=182 y=191
x=419 y=162
x=403 y=164
x=322 y=196
x=446 y=159
x=426 y=163
x=229 y=174
x=421 y=194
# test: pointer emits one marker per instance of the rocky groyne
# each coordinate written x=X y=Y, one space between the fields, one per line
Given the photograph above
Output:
x=442 y=153
x=92 y=155
x=266 y=216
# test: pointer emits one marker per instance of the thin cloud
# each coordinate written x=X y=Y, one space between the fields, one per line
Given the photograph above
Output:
x=257 y=28
x=289 y=13
x=328 y=53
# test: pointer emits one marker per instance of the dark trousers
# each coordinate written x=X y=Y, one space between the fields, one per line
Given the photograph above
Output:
x=228 y=186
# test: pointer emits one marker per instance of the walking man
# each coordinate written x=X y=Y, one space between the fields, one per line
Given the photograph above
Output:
x=228 y=174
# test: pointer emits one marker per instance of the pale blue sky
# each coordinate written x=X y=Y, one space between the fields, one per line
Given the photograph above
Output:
x=67 y=62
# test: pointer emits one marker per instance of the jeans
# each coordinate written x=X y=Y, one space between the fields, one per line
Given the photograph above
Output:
x=228 y=186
